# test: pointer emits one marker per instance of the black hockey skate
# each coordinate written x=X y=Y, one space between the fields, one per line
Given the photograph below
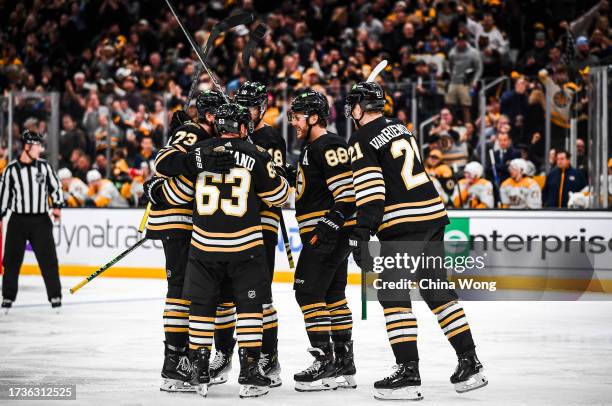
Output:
x=221 y=364
x=468 y=374
x=6 y=305
x=321 y=375
x=345 y=365
x=252 y=382
x=270 y=367
x=200 y=377
x=56 y=303
x=402 y=384
x=176 y=372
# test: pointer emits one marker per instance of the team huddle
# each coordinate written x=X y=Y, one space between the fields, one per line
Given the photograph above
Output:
x=216 y=206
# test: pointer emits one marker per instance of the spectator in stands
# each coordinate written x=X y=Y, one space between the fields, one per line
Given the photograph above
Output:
x=560 y=181
x=438 y=170
x=582 y=163
x=102 y=192
x=93 y=111
x=563 y=93
x=81 y=164
x=520 y=191
x=514 y=103
x=536 y=57
x=465 y=67
x=474 y=191
x=74 y=189
x=584 y=57
x=106 y=129
x=71 y=138
x=503 y=152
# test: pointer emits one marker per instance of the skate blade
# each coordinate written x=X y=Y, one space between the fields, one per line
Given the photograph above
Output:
x=252 y=391
x=219 y=379
x=475 y=381
x=175 y=385
x=202 y=389
x=346 y=382
x=317 y=386
x=408 y=393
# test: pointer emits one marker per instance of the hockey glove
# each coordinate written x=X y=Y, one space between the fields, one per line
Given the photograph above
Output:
x=179 y=118
x=153 y=191
x=359 y=239
x=287 y=171
x=205 y=159
x=326 y=232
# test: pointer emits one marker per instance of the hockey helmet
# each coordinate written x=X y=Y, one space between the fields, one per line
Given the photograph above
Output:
x=208 y=101
x=252 y=94
x=31 y=137
x=474 y=168
x=519 y=164
x=369 y=95
x=310 y=102
x=230 y=116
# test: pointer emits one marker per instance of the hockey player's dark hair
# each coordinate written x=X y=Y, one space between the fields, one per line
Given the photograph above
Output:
x=311 y=102
x=230 y=116
x=253 y=94
x=370 y=96
x=207 y=102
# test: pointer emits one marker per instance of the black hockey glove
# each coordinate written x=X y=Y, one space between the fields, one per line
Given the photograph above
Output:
x=205 y=159
x=153 y=191
x=179 y=118
x=287 y=171
x=359 y=239
x=326 y=232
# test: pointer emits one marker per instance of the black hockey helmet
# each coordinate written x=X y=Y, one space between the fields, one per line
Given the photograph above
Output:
x=208 y=101
x=369 y=95
x=252 y=94
x=230 y=116
x=31 y=137
x=310 y=102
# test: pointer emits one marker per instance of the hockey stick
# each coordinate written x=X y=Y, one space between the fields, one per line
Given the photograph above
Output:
x=254 y=39
x=454 y=171
x=286 y=239
x=494 y=169
x=85 y=281
x=199 y=53
x=376 y=71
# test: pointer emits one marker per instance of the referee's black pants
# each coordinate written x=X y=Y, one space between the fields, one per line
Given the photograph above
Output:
x=38 y=229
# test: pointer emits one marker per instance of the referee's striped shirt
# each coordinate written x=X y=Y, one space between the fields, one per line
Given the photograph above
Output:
x=29 y=188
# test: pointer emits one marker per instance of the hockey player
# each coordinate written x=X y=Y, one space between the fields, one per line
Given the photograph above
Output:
x=397 y=202
x=520 y=191
x=227 y=244
x=102 y=192
x=443 y=173
x=476 y=191
x=325 y=211
x=75 y=190
x=254 y=96
x=173 y=227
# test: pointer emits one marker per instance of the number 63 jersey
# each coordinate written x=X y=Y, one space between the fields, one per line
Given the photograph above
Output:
x=394 y=193
x=226 y=220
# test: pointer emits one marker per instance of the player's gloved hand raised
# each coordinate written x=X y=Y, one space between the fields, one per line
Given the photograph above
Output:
x=206 y=159
x=287 y=171
x=358 y=241
x=326 y=232
x=153 y=190
x=179 y=118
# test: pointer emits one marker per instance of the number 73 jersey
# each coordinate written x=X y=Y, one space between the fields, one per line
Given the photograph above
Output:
x=394 y=193
x=226 y=219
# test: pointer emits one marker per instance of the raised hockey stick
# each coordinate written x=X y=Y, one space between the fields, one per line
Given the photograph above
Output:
x=118 y=258
x=376 y=71
x=254 y=39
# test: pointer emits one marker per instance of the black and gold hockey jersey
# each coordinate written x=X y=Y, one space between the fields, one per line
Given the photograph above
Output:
x=324 y=183
x=393 y=191
x=170 y=163
x=269 y=139
x=226 y=221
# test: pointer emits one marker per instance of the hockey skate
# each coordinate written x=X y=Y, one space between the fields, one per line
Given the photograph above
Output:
x=345 y=365
x=56 y=304
x=200 y=377
x=221 y=364
x=321 y=375
x=252 y=382
x=402 y=384
x=468 y=374
x=270 y=367
x=176 y=372
x=6 y=305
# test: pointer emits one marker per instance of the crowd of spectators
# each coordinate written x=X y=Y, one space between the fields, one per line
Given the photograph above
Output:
x=122 y=67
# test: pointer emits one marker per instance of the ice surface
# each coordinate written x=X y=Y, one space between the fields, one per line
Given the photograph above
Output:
x=108 y=341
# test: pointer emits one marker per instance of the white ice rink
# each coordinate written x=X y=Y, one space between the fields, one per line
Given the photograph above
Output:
x=108 y=341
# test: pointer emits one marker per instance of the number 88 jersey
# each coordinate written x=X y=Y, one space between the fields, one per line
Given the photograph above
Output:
x=394 y=193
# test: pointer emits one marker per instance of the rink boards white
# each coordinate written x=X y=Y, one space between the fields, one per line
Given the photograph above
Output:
x=88 y=238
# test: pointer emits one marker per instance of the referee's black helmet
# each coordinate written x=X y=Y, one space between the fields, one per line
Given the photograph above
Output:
x=31 y=137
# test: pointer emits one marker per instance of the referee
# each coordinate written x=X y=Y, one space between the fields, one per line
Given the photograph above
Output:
x=29 y=189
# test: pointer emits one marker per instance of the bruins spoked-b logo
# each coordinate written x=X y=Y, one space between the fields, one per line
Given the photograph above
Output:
x=300 y=183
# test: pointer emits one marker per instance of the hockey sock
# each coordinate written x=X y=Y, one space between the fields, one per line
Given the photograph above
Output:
x=225 y=324
x=176 y=322
x=270 y=329
x=249 y=328
x=402 y=332
x=316 y=318
x=454 y=325
x=201 y=326
x=341 y=319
